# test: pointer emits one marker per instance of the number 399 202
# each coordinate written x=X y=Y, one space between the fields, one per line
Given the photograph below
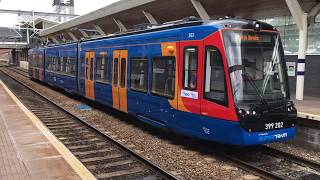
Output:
x=276 y=125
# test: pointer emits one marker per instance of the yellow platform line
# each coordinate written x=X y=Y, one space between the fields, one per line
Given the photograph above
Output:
x=76 y=165
x=309 y=116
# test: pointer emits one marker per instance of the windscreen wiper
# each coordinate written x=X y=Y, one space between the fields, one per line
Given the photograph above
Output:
x=275 y=60
x=248 y=78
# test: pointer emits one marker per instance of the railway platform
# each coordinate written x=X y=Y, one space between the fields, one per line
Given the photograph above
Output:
x=309 y=108
x=28 y=150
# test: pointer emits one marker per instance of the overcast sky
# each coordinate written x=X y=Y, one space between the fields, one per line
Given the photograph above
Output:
x=81 y=7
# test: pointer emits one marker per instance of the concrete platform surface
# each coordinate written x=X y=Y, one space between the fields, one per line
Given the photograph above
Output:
x=308 y=108
x=28 y=150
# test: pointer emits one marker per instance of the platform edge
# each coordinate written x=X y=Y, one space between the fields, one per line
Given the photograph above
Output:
x=75 y=164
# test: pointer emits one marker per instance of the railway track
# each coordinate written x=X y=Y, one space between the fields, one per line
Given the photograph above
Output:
x=270 y=163
x=104 y=157
x=19 y=71
x=263 y=161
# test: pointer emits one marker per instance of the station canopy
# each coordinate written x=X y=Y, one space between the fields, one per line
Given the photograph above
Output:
x=124 y=15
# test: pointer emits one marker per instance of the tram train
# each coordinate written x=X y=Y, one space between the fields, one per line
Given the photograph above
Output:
x=220 y=80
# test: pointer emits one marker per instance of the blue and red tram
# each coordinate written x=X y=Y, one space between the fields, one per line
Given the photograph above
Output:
x=222 y=80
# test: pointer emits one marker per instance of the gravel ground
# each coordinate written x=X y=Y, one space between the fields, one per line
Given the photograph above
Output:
x=179 y=155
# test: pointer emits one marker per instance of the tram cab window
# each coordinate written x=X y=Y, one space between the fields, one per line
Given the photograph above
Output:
x=163 y=76
x=139 y=74
x=190 y=66
x=215 y=83
x=103 y=67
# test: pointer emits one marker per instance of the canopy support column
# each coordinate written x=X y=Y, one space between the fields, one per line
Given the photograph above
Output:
x=300 y=19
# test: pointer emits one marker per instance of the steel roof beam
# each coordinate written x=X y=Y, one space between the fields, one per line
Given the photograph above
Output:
x=99 y=29
x=200 y=9
x=314 y=11
x=150 y=17
x=296 y=12
x=63 y=39
x=84 y=34
x=73 y=37
x=54 y=40
x=120 y=25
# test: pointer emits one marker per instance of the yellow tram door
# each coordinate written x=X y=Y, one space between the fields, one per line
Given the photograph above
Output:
x=119 y=80
x=89 y=79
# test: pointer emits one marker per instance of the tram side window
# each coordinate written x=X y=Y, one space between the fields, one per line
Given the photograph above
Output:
x=139 y=74
x=103 y=67
x=49 y=64
x=58 y=62
x=54 y=63
x=215 y=82
x=190 y=66
x=91 y=69
x=163 y=76
x=69 y=66
x=64 y=65
x=72 y=66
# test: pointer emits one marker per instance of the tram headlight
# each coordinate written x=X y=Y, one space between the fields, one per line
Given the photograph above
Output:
x=247 y=113
x=290 y=106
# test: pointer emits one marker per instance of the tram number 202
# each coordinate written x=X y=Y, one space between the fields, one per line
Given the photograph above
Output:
x=276 y=125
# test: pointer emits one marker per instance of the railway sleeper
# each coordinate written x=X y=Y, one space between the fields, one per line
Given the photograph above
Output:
x=80 y=128
x=111 y=164
x=71 y=137
x=104 y=150
x=121 y=173
x=67 y=126
x=74 y=143
x=60 y=123
x=103 y=158
x=86 y=146
x=85 y=133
